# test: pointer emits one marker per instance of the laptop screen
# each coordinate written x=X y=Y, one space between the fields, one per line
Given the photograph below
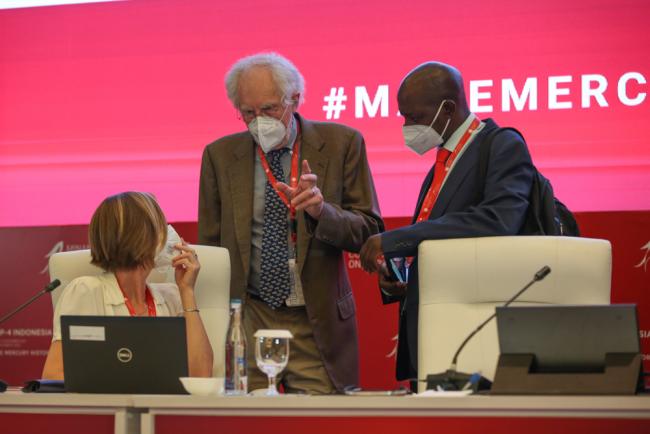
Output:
x=116 y=354
x=568 y=338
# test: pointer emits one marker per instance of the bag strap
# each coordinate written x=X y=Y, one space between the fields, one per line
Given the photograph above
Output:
x=484 y=158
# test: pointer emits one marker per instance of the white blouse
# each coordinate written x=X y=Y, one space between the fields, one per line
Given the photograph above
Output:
x=101 y=295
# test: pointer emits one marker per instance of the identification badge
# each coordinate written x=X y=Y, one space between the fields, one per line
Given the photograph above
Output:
x=398 y=269
x=296 y=297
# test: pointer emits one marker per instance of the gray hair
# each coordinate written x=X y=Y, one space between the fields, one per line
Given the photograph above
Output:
x=287 y=78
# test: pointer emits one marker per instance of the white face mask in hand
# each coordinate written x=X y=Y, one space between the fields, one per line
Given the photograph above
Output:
x=422 y=138
x=163 y=259
x=268 y=132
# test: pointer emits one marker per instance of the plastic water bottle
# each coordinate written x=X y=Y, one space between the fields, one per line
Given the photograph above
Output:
x=236 y=382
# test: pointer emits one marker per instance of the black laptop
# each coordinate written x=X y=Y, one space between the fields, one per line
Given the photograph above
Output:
x=119 y=354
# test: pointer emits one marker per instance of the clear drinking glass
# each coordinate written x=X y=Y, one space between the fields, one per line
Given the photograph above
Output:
x=272 y=354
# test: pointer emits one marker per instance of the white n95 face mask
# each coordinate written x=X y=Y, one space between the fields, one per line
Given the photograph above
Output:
x=422 y=138
x=268 y=132
x=163 y=259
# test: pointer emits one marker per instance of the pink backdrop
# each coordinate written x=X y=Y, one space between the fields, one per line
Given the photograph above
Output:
x=106 y=97
x=101 y=98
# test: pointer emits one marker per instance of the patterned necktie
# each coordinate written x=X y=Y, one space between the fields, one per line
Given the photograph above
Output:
x=274 y=267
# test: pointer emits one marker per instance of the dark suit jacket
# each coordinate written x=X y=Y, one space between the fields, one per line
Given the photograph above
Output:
x=456 y=214
x=337 y=155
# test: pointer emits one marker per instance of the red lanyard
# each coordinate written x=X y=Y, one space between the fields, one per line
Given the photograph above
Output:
x=151 y=305
x=432 y=195
x=293 y=180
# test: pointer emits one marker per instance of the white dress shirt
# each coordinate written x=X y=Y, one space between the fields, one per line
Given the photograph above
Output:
x=101 y=295
x=455 y=137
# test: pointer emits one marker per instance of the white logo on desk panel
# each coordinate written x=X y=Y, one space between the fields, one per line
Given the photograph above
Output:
x=124 y=355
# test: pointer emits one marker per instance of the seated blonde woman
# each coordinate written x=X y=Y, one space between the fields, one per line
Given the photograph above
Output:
x=126 y=233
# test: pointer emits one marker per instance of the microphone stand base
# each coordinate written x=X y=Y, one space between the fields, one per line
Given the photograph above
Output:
x=454 y=380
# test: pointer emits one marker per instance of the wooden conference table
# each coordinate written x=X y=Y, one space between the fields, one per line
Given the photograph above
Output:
x=148 y=414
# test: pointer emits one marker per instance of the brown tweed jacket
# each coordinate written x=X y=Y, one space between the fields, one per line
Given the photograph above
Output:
x=337 y=155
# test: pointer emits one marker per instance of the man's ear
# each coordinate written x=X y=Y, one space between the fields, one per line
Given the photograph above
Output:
x=295 y=98
x=449 y=107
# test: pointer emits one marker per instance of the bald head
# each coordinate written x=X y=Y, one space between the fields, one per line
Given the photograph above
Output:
x=435 y=82
x=425 y=88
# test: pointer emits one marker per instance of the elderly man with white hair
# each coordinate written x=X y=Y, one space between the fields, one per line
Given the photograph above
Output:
x=287 y=197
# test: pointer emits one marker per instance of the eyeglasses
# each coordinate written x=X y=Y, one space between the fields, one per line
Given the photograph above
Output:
x=271 y=110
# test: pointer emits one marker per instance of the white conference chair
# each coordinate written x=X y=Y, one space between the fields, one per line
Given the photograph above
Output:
x=212 y=289
x=461 y=281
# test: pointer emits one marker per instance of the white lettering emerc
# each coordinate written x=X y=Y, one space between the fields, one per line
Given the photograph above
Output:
x=475 y=96
x=509 y=92
x=622 y=89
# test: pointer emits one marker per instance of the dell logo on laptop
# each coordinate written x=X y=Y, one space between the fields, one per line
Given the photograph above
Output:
x=124 y=355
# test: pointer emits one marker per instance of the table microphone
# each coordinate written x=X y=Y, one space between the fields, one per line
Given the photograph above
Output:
x=451 y=379
x=48 y=288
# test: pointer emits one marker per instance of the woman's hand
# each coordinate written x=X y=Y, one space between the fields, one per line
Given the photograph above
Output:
x=199 y=352
x=186 y=266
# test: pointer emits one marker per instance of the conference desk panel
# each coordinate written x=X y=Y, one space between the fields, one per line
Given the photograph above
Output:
x=361 y=415
x=90 y=413
x=67 y=413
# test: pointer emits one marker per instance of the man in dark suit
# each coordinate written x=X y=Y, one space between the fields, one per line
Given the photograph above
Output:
x=451 y=204
x=286 y=198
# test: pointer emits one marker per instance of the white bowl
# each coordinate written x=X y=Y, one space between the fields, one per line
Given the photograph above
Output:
x=203 y=386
